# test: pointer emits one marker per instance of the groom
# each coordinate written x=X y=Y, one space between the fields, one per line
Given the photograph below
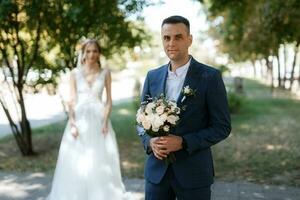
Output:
x=204 y=122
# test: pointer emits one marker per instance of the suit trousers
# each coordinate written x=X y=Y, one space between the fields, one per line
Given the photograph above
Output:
x=170 y=189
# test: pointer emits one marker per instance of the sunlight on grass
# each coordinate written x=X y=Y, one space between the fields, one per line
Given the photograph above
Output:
x=128 y=165
x=123 y=111
x=2 y=154
x=271 y=147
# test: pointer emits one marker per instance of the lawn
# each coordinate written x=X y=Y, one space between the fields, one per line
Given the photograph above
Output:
x=263 y=146
x=264 y=143
x=46 y=142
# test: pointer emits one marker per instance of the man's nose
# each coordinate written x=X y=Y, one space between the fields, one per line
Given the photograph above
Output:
x=172 y=42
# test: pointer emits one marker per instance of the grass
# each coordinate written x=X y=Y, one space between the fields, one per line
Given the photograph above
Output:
x=130 y=147
x=47 y=139
x=263 y=146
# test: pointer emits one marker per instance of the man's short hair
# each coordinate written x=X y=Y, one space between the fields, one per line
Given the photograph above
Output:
x=176 y=19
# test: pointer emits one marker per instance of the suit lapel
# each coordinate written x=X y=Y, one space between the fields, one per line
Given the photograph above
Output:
x=162 y=79
x=190 y=80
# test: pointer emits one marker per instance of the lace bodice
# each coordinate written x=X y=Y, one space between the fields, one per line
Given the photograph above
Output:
x=93 y=92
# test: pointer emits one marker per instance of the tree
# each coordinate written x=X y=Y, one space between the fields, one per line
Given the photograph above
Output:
x=22 y=30
x=40 y=37
x=255 y=30
x=105 y=20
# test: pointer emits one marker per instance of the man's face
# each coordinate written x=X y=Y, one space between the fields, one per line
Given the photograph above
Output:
x=176 y=40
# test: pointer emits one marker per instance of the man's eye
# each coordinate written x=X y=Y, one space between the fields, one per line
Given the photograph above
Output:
x=178 y=37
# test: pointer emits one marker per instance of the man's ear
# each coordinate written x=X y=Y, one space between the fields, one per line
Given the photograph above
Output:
x=190 y=39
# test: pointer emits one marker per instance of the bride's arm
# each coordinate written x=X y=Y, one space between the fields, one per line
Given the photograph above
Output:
x=73 y=98
x=108 y=97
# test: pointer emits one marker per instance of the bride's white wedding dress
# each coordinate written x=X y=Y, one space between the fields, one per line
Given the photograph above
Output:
x=88 y=168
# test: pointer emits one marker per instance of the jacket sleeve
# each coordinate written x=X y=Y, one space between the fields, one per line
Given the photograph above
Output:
x=140 y=130
x=219 y=117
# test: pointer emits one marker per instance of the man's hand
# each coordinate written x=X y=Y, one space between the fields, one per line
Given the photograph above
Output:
x=159 y=153
x=170 y=143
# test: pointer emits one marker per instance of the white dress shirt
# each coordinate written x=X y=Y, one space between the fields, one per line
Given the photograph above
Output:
x=175 y=81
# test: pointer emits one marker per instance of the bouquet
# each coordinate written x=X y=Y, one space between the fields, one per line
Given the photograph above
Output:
x=157 y=117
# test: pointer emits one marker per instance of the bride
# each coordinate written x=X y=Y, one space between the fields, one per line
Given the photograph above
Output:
x=88 y=166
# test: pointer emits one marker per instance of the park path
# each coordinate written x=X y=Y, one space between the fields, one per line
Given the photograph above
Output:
x=36 y=186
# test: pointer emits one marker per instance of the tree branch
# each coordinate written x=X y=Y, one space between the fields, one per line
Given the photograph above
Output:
x=5 y=57
x=14 y=97
x=12 y=124
x=21 y=55
x=36 y=47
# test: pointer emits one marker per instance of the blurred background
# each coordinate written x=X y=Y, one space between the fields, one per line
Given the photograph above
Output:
x=255 y=44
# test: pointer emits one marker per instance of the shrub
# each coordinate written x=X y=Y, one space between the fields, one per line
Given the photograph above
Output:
x=235 y=102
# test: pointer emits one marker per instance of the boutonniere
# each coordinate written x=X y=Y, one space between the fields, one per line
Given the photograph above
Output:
x=187 y=92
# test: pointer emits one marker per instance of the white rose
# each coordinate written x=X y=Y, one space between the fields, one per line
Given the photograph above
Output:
x=139 y=116
x=173 y=109
x=172 y=119
x=160 y=110
x=150 y=118
x=146 y=124
x=169 y=111
x=166 y=128
x=163 y=117
x=149 y=108
x=148 y=121
x=157 y=122
x=151 y=104
x=155 y=129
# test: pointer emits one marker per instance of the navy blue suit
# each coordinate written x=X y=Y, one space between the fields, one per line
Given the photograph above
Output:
x=204 y=122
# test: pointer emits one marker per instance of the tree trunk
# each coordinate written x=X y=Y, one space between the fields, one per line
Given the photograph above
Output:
x=270 y=70
x=25 y=126
x=285 y=66
x=254 y=68
x=279 y=67
x=262 y=69
x=14 y=127
x=296 y=50
x=21 y=129
x=22 y=133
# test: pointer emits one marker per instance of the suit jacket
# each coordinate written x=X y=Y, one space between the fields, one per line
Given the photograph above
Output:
x=204 y=122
